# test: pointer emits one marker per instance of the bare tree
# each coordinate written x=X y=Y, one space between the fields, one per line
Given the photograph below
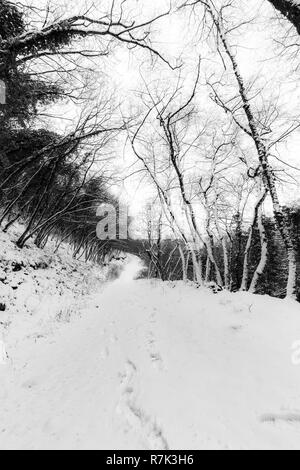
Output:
x=141 y=146
x=252 y=130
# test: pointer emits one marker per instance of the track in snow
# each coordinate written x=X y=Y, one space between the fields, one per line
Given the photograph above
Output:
x=147 y=430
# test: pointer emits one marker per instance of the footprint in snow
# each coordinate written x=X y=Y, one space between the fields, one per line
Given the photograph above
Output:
x=236 y=328
x=136 y=418
x=155 y=356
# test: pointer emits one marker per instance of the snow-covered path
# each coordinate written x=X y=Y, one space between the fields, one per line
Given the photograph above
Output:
x=153 y=366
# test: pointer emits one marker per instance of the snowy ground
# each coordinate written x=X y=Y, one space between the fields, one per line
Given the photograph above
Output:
x=147 y=365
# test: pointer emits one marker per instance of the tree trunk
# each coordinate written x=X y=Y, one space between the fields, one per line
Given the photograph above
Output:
x=264 y=253
x=184 y=263
x=207 y=270
x=258 y=205
x=11 y=222
x=224 y=249
x=290 y=9
x=197 y=270
x=226 y=264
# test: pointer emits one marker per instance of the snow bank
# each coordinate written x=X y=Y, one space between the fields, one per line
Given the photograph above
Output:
x=41 y=288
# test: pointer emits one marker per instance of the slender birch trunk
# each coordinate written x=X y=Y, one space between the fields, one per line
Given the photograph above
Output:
x=225 y=251
x=184 y=263
x=207 y=270
x=264 y=253
x=197 y=268
x=226 y=263
x=186 y=275
x=245 y=278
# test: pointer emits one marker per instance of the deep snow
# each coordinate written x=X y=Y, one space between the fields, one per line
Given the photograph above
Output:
x=148 y=365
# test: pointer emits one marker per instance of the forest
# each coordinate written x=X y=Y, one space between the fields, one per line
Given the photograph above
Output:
x=213 y=138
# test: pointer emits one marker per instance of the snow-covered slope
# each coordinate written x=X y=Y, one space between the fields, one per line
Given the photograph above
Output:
x=27 y=276
x=151 y=365
x=39 y=289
